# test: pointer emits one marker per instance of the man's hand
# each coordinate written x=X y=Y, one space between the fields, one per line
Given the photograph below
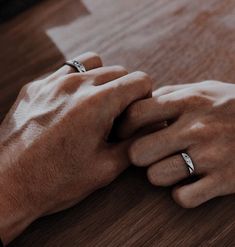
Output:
x=53 y=142
x=202 y=118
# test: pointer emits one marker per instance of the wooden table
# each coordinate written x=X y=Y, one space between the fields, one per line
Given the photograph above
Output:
x=176 y=41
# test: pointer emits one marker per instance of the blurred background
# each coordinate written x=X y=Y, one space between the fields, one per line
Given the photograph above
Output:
x=10 y=8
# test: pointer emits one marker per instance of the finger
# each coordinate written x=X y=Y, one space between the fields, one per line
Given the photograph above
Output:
x=106 y=74
x=154 y=147
x=125 y=90
x=95 y=77
x=147 y=112
x=192 y=195
x=90 y=60
x=170 y=88
x=168 y=171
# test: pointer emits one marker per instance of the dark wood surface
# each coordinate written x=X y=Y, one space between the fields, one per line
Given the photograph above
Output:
x=176 y=41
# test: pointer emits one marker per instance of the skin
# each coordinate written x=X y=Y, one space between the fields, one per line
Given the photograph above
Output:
x=54 y=147
x=201 y=119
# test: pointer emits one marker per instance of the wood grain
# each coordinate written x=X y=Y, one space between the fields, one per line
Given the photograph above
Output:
x=176 y=41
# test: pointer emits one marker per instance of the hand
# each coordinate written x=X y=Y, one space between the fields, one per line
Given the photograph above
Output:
x=53 y=142
x=202 y=117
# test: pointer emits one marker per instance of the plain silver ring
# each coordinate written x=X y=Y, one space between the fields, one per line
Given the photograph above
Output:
x=189 y=163
x=79 y=67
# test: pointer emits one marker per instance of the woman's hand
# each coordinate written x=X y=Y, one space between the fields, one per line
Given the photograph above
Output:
x=201 y=119
x=53 y=143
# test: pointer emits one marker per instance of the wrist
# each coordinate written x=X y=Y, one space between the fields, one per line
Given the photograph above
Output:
x=14 y=218
x=16 y=208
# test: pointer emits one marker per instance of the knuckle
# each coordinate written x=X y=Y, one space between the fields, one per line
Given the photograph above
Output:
x=93 y=54
x=120 y=68
x=93 y=58
x=143 y=80
x=197 y=126
x=96 y=57
x=201 y=130
x=142 y=77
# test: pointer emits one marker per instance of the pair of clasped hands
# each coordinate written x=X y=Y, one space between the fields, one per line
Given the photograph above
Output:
x=56 y=148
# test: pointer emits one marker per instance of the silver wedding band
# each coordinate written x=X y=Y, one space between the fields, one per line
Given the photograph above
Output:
x=79 y=67
x=189 y=163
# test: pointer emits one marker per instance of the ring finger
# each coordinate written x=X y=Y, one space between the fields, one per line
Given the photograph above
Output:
x=90 y=61
x=171 y=170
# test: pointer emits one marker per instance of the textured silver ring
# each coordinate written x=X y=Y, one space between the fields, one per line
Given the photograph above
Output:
x=189 y=163
x=79 y=67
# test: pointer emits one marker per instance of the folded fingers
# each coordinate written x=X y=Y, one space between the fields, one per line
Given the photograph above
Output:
x=159 y=145
x=161 y=150
x=147 y=112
